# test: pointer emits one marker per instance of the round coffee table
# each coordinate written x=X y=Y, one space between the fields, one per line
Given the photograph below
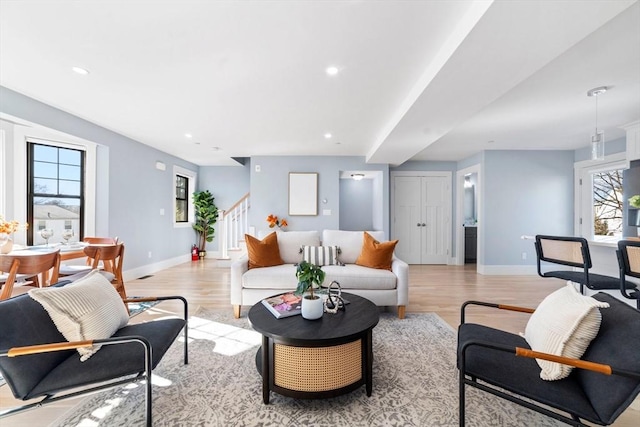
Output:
x=316 y=358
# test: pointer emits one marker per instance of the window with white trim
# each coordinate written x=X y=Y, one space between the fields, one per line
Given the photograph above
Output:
x=55 y=192
x=599 y=216
x=184 y=185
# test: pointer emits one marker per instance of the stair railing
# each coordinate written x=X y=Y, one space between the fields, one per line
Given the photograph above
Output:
x=234 y=224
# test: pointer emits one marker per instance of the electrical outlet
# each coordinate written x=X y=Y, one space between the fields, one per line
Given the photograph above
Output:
x=149 y=254
x=524 y=255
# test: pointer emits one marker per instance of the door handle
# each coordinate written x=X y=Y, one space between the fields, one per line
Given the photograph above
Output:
x=418 y=224
x=424 y=225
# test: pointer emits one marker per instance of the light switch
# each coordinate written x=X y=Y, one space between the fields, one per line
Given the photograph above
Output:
x=161 y=211
x=258 y=168
x=326 y=212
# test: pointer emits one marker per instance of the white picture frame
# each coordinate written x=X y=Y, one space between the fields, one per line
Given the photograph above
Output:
x=303 y=193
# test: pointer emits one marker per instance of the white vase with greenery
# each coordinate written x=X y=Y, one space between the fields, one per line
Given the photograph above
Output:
x=310 y=276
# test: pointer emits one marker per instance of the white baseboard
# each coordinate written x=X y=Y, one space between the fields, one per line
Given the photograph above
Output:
x=507 y=270
x=152 y=268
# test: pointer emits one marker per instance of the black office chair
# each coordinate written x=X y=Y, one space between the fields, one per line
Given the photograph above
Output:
x=629 y=261
x=572 y=252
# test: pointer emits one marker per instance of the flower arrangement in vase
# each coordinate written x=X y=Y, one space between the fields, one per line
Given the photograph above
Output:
x=274 y=221
x=310 y=276
x=7 y=228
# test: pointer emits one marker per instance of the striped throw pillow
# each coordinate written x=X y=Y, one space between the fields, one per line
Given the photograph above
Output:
x=321 y=255
x=87 y=309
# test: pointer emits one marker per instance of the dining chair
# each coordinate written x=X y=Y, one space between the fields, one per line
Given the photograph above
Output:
x=629 y=262
x=112 y=257
x=572 y=252
x=33 y=263
x=101 y=240
x=79 y=270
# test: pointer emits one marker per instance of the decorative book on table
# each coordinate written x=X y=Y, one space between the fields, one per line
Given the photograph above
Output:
x=284 y=305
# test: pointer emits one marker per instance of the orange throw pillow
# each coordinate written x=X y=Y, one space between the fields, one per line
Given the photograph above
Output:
x=263 y=253
x=375 y=254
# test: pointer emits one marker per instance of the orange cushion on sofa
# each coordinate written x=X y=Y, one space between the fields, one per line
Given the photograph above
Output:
x=263 y=253
x=375 y=254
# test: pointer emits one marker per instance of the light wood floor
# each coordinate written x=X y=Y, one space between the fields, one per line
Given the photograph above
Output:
x=433 y=288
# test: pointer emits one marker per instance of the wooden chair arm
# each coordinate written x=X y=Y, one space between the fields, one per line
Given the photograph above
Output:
x=582 y=364
x=71 y=345
x=493 y=305
x=577 y=363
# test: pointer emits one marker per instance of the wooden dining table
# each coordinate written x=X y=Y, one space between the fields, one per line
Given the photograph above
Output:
x=67 y=252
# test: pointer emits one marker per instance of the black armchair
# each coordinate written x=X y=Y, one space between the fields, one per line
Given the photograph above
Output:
x=38 y=363
x=572 y=252
x=629 y=262
x=601 y=386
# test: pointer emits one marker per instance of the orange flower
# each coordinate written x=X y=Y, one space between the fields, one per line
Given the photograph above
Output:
x=9 y=227
x=275 y=222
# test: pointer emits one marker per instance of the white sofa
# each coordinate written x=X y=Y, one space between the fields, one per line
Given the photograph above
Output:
x=382 y=287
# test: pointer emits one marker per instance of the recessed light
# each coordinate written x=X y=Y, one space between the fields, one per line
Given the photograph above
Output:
x=328 y=135
x=80 y=70
x=188 y=135
x=332 y=71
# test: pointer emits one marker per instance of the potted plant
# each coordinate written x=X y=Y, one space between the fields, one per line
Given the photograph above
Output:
x=310 y=276
x=206 y=215
x=634 y=201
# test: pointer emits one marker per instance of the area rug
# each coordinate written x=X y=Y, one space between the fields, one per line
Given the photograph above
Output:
x=136 y=308
x=415 y=383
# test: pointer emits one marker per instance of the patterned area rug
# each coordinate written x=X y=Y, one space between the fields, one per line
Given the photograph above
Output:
x=138 y=307
x=415 y=383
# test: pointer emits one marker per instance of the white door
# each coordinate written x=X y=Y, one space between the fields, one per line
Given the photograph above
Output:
x=435 y=219
x=407 y=219
x=422 y=218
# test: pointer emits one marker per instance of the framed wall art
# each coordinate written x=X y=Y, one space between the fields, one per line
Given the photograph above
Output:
x=303 y=193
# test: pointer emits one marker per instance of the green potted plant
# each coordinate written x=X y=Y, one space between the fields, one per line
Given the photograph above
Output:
x=310 y=276
x=206 y=215
x=634 y=201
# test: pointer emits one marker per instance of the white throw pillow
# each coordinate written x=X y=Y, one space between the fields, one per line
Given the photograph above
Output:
x=564 y=324
x=320 y=255
x=87 y=309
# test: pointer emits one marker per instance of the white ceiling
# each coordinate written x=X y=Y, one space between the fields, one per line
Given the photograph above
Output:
x=418 y=80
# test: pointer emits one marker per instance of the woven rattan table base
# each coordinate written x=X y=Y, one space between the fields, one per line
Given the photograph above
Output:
x=317 y=368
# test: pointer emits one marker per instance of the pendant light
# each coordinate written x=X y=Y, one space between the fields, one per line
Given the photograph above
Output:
x=597 y=139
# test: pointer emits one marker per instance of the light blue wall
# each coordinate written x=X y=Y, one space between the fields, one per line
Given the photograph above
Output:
x=525 y=193
x=355 y=197
x=228 y=184
x=610 y=147
x=131 y=191
x=269 y=189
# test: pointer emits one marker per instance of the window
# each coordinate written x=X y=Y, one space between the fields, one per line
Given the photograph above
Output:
x=599 y=196
x=184 y=185
x=182 y=200
x=607 y=203
x=55 y=191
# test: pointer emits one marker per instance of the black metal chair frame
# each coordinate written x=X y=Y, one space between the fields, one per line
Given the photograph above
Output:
x=625 y=270
x=465 y=379
x=584 y=278
x=145 y=375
